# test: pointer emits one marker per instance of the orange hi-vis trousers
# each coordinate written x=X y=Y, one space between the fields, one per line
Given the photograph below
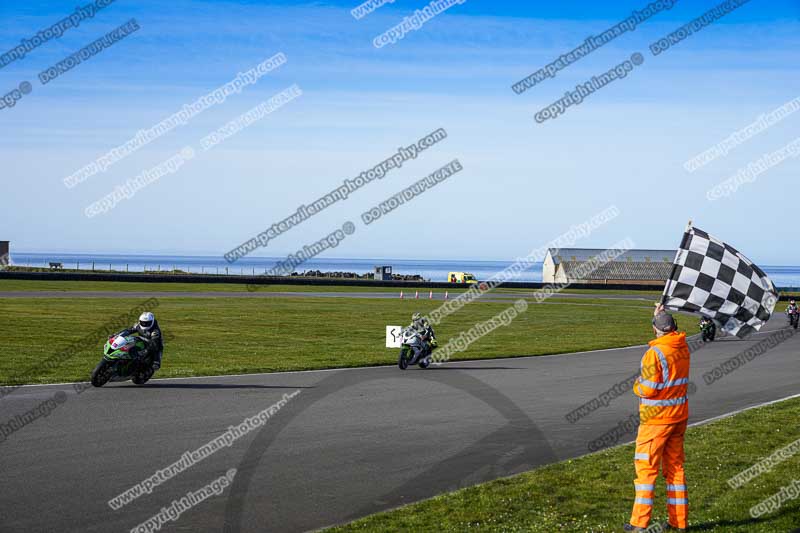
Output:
x=660 y=446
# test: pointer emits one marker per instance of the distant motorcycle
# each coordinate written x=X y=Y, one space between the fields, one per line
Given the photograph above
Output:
x=413 y=350
x=123 y=360
x=708 y=329
x=794 y=316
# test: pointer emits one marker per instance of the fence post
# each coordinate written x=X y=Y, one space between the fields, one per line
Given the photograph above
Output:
x=92 y=266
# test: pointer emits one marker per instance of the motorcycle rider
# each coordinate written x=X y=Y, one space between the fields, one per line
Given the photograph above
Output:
x=421 y=325
x=706 y=322
x=792 y=309
x=149 y=331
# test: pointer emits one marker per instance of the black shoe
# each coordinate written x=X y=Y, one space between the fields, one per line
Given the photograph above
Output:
x=628 y=527
x=661 y=528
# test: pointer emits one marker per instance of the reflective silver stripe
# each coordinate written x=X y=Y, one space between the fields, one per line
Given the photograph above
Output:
x=671 y=401
x=644 y=487
x=677 y=501
x=644 y=501
x=641 y=457
x=664 y=365
x=660 y=386
x=677 y=488
x=651 y=384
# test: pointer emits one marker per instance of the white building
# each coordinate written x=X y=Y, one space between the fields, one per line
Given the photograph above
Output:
x=634 y=266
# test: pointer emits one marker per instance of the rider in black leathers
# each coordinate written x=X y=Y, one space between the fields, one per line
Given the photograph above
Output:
x=148 y=330
x=421 y=324
x=792 y=309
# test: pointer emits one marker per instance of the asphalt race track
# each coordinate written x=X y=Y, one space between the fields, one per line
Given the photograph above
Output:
x=352 y=442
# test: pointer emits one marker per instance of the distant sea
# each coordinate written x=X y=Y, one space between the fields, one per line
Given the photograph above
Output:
x=433 y=270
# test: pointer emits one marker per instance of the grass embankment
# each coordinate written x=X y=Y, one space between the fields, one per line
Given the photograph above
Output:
x=595 y=493
x=207 y=336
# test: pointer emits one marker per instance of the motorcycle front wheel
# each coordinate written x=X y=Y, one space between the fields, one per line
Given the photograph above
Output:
x=402 y=361
x=101 y=373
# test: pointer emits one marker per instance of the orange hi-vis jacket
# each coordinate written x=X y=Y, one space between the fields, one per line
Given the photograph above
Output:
x=663 y=385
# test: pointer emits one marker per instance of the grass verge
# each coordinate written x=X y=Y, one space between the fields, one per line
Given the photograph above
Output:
x=594 y=493
x=208 y=336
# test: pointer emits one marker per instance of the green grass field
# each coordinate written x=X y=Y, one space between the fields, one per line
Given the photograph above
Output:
x=147 y=286
x=594 y=493
x=208 y=336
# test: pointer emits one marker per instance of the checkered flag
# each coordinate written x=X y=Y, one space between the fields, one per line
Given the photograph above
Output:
x=713 y=279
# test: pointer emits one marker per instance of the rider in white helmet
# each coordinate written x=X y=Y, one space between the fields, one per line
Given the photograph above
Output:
x=424 y=327
x=148 y=330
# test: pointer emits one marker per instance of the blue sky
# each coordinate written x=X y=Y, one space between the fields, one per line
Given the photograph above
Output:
x=523 y=183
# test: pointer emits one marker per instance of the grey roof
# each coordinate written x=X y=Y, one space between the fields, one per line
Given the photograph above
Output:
x=619 y=270
x=584 y=254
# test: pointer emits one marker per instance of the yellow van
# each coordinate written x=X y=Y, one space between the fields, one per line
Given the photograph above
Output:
x=461 y=277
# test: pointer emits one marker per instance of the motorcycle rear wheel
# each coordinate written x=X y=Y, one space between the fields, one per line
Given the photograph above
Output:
x=101 y=373
x=140 y=378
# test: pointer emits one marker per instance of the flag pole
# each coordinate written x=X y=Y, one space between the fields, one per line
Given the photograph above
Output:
x=675 y=263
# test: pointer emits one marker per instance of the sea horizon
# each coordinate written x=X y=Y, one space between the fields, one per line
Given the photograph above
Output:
x=429 y=269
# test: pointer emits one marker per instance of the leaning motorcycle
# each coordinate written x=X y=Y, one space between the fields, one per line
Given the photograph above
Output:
x=123 y=360
x=794 y=317
x=413 y=350
x=708 y=330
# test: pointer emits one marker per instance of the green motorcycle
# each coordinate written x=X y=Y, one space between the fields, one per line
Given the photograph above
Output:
x=123 y=360
x=708 y=329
